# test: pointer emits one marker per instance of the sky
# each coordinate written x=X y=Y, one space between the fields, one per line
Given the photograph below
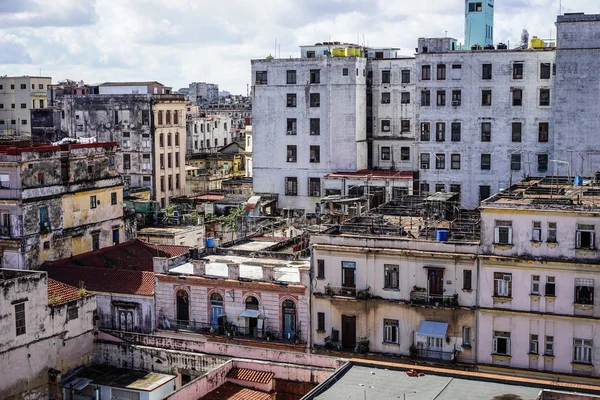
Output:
x=180 y=41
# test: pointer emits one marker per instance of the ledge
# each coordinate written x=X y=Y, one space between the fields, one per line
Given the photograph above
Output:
x=550 y=298
x=502 y=299
x=503 y=246
x=391 y=344
x=467 y=290
x=321 y=331
x=501 y=357
x=390 y=289
x=320 y=278
x=585 y=252
x=581 y=365
x=583 y=307
x=535 y=297
x=536 y=243
x=533 y=356
x=552 y=245
x=549 y=357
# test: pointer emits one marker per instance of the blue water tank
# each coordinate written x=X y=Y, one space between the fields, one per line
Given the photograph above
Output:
x=442 y=235
x=209 y=242
x=578 y=180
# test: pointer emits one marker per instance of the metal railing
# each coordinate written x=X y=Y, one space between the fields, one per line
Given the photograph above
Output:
x=346 y=291
x=433 y=300
x=436 y=355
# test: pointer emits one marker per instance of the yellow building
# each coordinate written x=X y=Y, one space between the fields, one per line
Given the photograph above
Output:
x=169 y=147
x=18 y=96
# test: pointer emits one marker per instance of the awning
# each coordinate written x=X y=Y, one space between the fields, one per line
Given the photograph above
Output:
x=76 y=383
x=433 y=329
x=250 y=314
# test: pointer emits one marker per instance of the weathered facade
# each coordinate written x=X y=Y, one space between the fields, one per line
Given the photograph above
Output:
x=18 y=96
x=60 y=201
x=47 y=330
x=207 y=133
x=203 y=93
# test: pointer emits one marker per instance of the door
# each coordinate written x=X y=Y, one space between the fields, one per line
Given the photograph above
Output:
x=289 y=319
x=215 y=312
x=348 y=332
x=348 y=274
x=435 y=280
x=183 y=311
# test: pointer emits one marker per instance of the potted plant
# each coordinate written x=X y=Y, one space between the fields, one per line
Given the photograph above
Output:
x=228 y=328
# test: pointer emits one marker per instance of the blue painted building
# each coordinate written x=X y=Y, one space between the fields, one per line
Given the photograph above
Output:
x=479 y=23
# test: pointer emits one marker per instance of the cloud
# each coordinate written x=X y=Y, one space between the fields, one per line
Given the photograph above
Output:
x=13 y=53
x=41 y=13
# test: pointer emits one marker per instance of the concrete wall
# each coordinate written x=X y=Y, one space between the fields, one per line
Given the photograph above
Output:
x=30 y=96
x=208 y=134
x=112 y=305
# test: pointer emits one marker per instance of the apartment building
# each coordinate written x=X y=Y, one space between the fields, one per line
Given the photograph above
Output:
x=203 y=93
x=169 y=146
x=309 y=119
x=207 y=133
x=59 y=201
x=383 y=283
x=538 y=270
x=18 y=96
x=485 y=117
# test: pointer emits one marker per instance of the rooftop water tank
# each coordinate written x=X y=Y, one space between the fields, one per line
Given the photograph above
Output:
x=536 y=43
x=338 y=52
x=502 y=46
x=489 y=47
x=442 y=235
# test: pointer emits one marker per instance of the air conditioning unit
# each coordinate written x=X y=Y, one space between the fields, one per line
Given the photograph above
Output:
x=290 y=132
x=290 y=159
x=424 y=166
x=456 y=103
x=386 y=128
x=507 y=278
x=313 y=133
x=317 y=104
x=316 y=194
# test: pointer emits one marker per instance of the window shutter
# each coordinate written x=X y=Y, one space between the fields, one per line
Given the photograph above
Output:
x=578 y=239
x=592 y=240
x=536 y=235
x=497 y=235
x=508 y=346
x=495 y=345
x=510 y=235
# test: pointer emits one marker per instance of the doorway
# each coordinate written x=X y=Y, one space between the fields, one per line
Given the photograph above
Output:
x=216 y=309
x=348 y=331
x=183 y=310
x=435 y=281
x=289 y=319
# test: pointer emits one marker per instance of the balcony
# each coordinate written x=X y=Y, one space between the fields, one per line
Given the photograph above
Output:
x=5 y=231
x=433 y=355
x=346 y=291
x=423 y=298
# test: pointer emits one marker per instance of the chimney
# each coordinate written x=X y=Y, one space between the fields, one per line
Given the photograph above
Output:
x=161 y=265
x=199 y=267
x=267 y=273
x=233 y=271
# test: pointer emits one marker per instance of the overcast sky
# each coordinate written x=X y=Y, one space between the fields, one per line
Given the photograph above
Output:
x=180 y=41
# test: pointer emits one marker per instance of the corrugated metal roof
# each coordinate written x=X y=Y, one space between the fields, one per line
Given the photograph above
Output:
x=230 y=391
x=250 y=375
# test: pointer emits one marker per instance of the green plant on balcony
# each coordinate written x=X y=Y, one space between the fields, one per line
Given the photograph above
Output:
x=363 y=346
x=364 y=293
x=328 y=290
x=418 y=289
x=454 y=300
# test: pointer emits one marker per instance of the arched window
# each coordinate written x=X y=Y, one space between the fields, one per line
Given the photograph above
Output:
x=183 y=308
x=176 y=138
x=162 y=140
x=160 y=117
x=169 y=139
x=251 y=303
x=175 y=118
x=288 y=309
x=216 y=308
x=168 y=118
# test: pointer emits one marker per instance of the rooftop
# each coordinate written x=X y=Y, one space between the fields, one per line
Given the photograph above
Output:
x=100 y=374
x=231 y=391
x=143 y=83
x=371 y=174
x=61 y=293
x=549 y=193
x=168 y=231
x=7 y=274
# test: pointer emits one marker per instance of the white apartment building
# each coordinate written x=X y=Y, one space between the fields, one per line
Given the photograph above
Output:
x=538 y=270
x=18 y=96
x=309 y=119
x=207 y=133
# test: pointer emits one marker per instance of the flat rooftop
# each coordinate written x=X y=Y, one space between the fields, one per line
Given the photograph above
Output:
x=554 y=193
x=105 y=375
x=8 y=274
x=168 y=230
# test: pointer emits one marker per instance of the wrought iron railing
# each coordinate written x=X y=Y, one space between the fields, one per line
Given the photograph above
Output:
x=346 y=291
x=434 y=355
x=433 y=300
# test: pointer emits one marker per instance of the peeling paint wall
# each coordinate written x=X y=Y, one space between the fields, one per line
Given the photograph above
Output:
x=116 y=310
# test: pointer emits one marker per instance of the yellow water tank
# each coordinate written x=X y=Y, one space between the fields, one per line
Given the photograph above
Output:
x=536 y=43
x=353 y=52
x=338 y=52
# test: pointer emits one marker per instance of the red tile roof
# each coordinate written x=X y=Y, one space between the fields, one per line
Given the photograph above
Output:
x=250 y=375
x=230 y=391
x=111 y=280
x=131 y=255
x=60 y=293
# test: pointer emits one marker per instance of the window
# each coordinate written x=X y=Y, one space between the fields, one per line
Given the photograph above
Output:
x=515 y=162
x=486 y=132
x=261 y=77
x=440 y=161
x=455 y=129
x=170 y=159
x=292 y=153
x=170 y=182
x=467 y=279
x=404 y=153
x=169 y=139
x=549 y=347
x=386 y=125
x=345 y=72
x=425 y=131
x=426 y=72
x=12 y=105
x=425 y=160
x=391 y=277
x=20 y=318
x=315 y=76
x=454 y=161
x=440 y=187
x=440 y=132
x=385 y=76
x=348 y=274
x=518 y=70
x=456 y=98
x=291 y=186
x=582 y=351
x=543 y=132
x=517 y=97
x=385 y=97
x=291 y=126
x=291 y=77
x=542 y=160
x=177 y=178
x=535 y=284
x=4 y=181
x=40 y=177
x=486 y=71
x=390 y=327
x=162 y=183
x=23 y=122
x=484 y=192
x=93 y=202
x=41 y=103
x=501 y=343
x=72 y=311
x=502 y=284
x=585 y=237
x=168 y=119
x=516 y=131
x=425 y=98
x=536 y=234
x=551 y=232
x=23 y=105
x=95 y=241
x=503 y=232
x=320 y=269
x=545 y=71
x=584 y=291
x=176 y=122
x=291 y=100
x=310 y=54
x=315 y=154
x=441 y=72
x=405 y=125
x=385 y=153
x=176 y=138
x=550 y=286
x=315 y=126
x=441 y=97
x=466 y=335
x=486 y=97
x=544 y=97
x=424 y=188
x=315 y=100
x=533 y=344
x=320 y=322
x=113 y=198
x=405 y=76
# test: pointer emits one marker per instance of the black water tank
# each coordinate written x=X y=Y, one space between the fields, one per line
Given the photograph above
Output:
x=502 y=46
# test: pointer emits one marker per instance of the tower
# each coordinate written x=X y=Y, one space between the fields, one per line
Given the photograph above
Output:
x=479 y=23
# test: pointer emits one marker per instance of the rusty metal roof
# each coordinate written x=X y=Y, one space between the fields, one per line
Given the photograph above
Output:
x=250 y=375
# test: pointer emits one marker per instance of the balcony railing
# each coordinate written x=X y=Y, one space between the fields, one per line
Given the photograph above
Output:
x=345 y=291
x=433 y=355
x=433 y=300
x=4 y=230
x=230 y=330
x=45 y=227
